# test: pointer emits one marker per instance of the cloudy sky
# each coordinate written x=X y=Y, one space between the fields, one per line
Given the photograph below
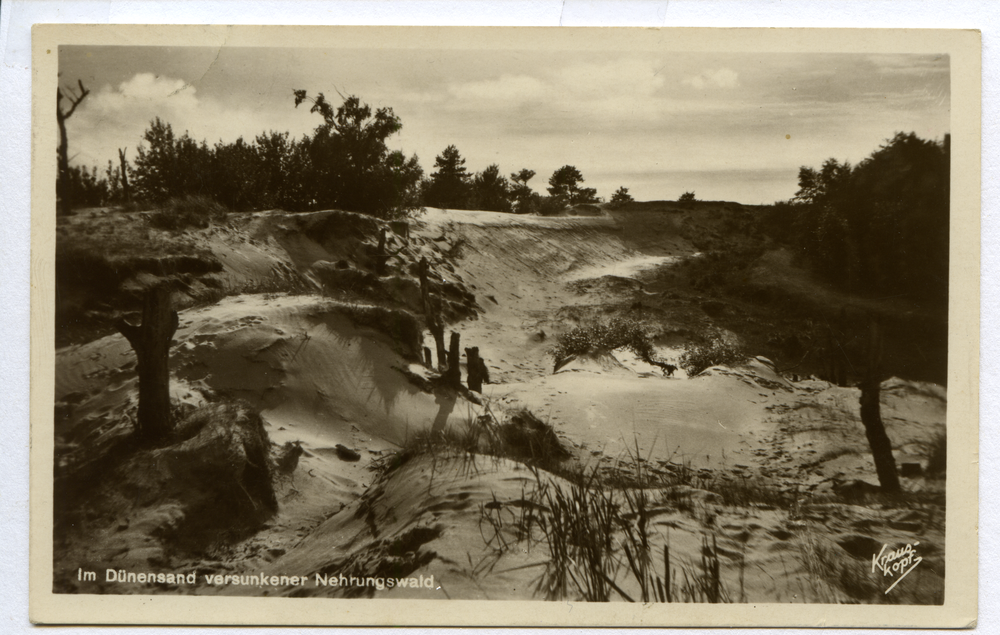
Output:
x=726 y=126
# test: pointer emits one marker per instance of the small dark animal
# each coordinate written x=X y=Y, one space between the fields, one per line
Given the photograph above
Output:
x=668 y=369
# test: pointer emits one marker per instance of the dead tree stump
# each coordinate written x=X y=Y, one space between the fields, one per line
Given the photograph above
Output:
x=428 y=360
x=476 y=366
x=126 y=189
x=151 y=342
x=871 y=414
x=432 y=315
x=453 y=375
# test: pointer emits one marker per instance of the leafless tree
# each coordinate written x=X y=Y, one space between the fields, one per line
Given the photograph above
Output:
x=63 y=192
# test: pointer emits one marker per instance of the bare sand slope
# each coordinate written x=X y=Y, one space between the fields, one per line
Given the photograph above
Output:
x=314 y=375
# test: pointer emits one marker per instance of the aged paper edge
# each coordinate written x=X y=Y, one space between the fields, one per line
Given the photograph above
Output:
x=961 y=585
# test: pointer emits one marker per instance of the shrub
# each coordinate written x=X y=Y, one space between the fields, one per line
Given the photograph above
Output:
x=718 y=351
x=604 y=337
x=187 y=211
x=521 y=437
x=687 y=197
x=621 y=198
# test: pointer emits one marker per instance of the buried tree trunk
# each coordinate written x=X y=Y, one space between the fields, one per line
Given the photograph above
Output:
x=151 y=342
x=478 y=372
x=437 y=330
x=432 y=315
x=871 y=415
x=382 y=256
x=453 y=376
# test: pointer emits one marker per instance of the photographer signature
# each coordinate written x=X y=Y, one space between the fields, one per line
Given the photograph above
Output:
x=897 y=562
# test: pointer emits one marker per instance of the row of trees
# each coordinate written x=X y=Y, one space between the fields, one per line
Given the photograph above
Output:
x=345 y=163
x=876 y=228
x=451 y=186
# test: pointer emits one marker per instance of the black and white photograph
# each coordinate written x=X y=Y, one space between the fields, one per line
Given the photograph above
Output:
x=629 y=317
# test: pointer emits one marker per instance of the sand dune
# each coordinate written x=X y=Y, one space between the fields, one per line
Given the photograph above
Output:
x=353 y=396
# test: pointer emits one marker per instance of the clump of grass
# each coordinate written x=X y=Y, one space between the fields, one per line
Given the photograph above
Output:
x=748 y=492
x=578 y=530
x=598 y=537
x=598 y=540
x=717 y=351
x=604 y=337
x=188 y=211
x=527 y=438
x=520 y=437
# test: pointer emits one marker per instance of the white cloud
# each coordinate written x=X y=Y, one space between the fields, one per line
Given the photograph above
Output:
x=719 y=78
x=578 y=84
x=508 y=88
x=117 y=116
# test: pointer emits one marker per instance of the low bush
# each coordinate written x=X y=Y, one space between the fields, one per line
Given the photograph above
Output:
x=187 y=211
x=718 y=351
x=603 y=338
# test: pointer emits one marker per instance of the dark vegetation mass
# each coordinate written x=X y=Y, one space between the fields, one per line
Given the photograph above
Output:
x=879 y=227
x=344 y=164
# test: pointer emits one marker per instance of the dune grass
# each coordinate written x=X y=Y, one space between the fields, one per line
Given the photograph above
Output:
x=718 y=351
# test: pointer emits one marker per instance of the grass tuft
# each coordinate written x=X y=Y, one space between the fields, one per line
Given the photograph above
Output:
x=718 y=351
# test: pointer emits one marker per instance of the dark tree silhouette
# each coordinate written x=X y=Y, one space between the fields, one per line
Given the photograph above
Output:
x=449 y=187
x=151 y=342
x=349 y=152
x=880 y=227
x=621 y=196
x=63 y=187
x=686 y=197
x=564 y=186
x=453 y=375
x=126 y=189
x=491 y=191
x=172 y=166
x=871 y=413
x=477 y=369
x=522 y=194
x=432 y=314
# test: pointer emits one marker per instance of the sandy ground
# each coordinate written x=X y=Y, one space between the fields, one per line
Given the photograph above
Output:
x=320 y=380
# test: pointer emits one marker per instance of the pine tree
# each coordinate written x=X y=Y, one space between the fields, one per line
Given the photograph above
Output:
x=449 y=187
x=523 y=196
x=565 y=189
x=621 y=197
x=491 y=191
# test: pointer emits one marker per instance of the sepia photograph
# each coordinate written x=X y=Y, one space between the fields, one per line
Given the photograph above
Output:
x=623 y=319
